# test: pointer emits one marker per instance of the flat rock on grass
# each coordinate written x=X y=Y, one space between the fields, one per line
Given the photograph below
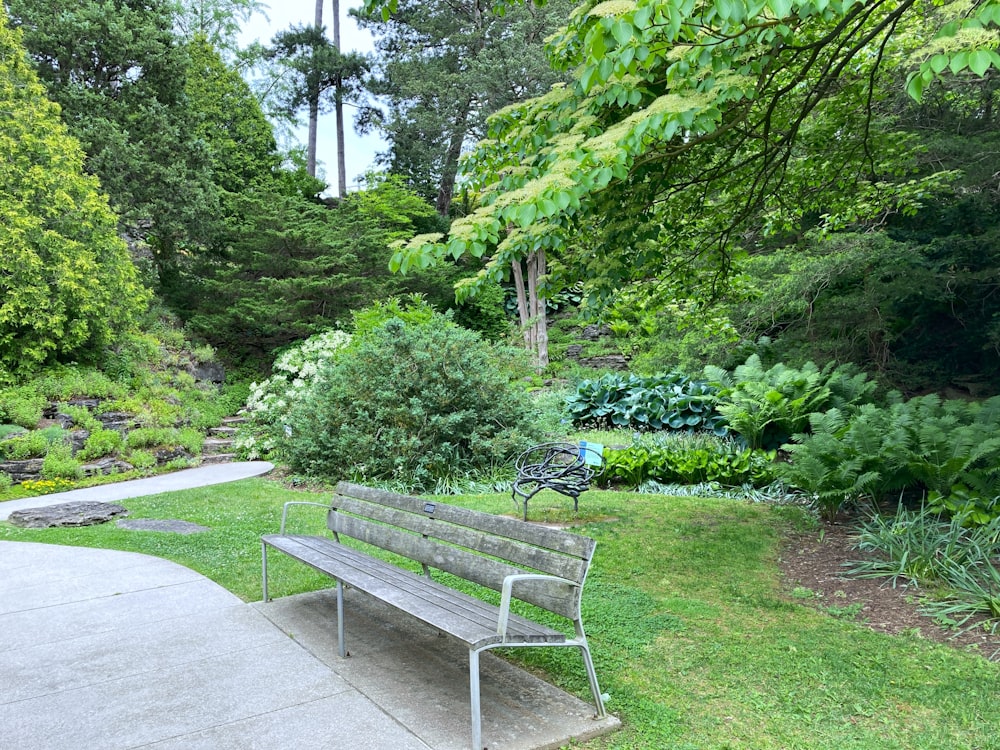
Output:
x=81 y=513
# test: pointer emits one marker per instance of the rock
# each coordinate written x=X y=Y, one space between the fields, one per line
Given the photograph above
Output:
x=20 y=470
x=106 y=466
x=606 y=362
x=77 y=439
x=211 y=372
x=63 y=420
x=573 y=351
x=67 y=514
x=158 y=524
x=594 y=332
x=117 y=420
x=166 y=455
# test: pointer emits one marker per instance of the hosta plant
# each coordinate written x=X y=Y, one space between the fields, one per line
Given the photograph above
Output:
x=659 y=402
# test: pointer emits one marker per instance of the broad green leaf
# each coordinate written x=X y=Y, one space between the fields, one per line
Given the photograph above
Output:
x=780 y=8
x=526 y=215
x=959 y=61
x=979 y=61
x=939 y=62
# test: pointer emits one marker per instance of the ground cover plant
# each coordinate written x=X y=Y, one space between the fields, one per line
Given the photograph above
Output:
x=694 y=640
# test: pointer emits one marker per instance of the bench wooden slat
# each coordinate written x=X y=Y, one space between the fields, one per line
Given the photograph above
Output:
x=511 y=528
x=562 y=599
x=458 y=615
x=432 y=526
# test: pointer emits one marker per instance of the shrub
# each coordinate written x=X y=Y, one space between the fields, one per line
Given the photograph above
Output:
x=22 y=405
x=10 y=430
x=658 y=402
x=60 y=464
x=414 y=402
x=5 y=481
x=82 y=417
x=485 y=313
x=767 y=407
x=269 y=403
x=687 y=458
x=34 y=444
x=141 y=459
x=165 y=437
x=101 y=443
x=64 y=382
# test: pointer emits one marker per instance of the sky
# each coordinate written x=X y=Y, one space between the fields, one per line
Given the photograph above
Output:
x=359 y=150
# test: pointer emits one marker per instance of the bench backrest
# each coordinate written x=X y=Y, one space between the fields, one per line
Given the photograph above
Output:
x=478 y=547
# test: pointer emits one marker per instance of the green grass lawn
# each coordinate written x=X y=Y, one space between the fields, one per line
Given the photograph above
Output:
x=692 y=637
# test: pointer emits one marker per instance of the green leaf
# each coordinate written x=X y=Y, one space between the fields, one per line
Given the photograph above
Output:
x=959 y=62
x=915 y=86
x=622 y=31
x=979 y=61
x=526 y=215
x=939 y=62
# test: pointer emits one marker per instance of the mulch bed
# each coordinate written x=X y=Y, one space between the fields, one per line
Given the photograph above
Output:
x=816 y=561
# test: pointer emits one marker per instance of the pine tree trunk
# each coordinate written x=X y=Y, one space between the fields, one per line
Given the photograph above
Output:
x=313 y=109
x=446 y=189
x=339 y=111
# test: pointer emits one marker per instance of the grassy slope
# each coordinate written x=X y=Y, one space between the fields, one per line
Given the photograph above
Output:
x=692 y=638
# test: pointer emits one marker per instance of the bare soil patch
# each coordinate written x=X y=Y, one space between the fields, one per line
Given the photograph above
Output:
x=813 y=565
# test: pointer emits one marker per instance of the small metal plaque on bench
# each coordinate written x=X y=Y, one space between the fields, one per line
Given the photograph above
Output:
x=429 y=507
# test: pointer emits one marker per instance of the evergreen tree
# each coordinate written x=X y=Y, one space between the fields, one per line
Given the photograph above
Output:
x=442 y=69
x=119 y=72
x=67 y=283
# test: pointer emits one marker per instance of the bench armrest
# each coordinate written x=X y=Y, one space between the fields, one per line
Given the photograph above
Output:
x=284 y=510
x=507 y=591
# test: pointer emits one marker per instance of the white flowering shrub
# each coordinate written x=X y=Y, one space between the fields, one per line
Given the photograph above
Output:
x=270 y=402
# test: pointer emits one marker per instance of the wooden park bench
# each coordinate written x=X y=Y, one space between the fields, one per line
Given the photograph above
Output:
x=542 y=566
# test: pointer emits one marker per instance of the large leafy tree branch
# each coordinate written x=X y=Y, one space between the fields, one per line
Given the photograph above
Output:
x=692 y=126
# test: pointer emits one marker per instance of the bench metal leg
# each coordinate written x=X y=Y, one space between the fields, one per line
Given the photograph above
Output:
x=477 y=725
x=341 y=645
x=588 y=663
x=263 y=556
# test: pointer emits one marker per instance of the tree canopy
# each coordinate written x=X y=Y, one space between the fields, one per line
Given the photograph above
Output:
x=441 y=69
x=695 y=127
x=67 y=283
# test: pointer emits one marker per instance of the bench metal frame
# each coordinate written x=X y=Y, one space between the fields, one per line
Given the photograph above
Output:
x=542 y=566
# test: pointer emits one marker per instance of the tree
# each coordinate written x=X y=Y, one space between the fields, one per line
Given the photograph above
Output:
x=218 y=22
x=293 y=267
x=320 y=71
x=67 y=284
x=442 y=69
x=242 y=152
x=118 y=73
x=686 y=133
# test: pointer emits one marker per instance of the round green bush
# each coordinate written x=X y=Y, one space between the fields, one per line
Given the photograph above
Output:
x=414 y=402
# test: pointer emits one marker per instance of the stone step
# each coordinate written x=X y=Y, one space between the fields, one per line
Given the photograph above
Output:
x=212 y=446
x=217 y=458
x=223 y=431
x=233 y=420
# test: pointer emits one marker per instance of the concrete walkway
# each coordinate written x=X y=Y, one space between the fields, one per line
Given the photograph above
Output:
x=108 y=650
